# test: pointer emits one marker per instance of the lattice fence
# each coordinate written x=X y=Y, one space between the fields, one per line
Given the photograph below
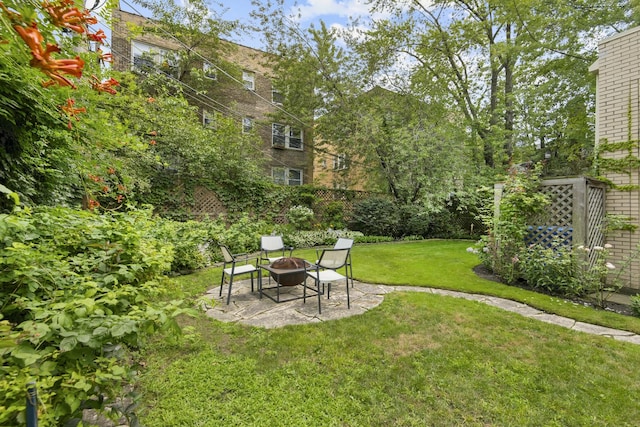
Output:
x=207 y=203
x=575 y=216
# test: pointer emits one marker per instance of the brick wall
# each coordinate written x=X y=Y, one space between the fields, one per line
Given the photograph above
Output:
x=617 y=120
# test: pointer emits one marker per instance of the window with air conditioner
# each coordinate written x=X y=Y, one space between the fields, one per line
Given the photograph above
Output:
x=210 y=70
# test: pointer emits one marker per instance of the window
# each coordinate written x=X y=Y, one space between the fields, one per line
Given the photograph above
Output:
x=277 y=97
x=249 y=80
x=210 y=71
x=247 y=124
x=340 y=162
x=287 y=176
x=339 y=186
x=147 y=58
x=208 y=119
x=283 y=136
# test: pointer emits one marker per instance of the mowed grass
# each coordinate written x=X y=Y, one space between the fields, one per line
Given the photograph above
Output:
x=416 y=360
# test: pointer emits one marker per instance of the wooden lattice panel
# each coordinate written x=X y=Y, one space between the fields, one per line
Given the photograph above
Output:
x=207 y=203
x=595 y=217
x=575 y=215
x=545 y=236
x=560 y=211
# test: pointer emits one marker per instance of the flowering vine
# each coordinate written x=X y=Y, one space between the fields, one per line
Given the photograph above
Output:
x=46 y=56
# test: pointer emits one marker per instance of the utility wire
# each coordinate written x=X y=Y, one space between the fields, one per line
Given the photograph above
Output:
x=208 y=101
x=197 y=54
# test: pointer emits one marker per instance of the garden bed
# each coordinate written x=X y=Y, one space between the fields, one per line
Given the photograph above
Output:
x=625 y=309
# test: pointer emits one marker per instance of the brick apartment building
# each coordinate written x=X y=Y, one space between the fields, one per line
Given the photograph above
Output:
x=246 y=93
x=618 y=122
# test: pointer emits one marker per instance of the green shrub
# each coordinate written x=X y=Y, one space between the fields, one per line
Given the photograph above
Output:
x=413 y=220
x=551 y=268
x=78 y=290
x=300 y=217
x=243 y=235
x=375 y=217
x=521 y=201
x=333 y=216
x=309 y=239
x=373 y=239
x=191 y=241
x=635 y=305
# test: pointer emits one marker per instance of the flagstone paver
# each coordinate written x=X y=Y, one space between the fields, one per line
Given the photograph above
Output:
x=249 y=309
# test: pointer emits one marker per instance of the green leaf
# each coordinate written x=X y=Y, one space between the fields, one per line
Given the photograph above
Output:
x=27 y=354
x=73 y=402
x=68 y=344
x=10 y=194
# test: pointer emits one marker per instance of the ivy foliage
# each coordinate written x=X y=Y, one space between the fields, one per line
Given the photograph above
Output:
x=77 y=291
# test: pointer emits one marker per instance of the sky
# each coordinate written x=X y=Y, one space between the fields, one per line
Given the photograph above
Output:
x=332 y=12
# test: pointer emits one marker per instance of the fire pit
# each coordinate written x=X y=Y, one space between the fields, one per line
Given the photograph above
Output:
x=294 y=278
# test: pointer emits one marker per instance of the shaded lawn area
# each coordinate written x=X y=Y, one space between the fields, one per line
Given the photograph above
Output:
x=417 y=359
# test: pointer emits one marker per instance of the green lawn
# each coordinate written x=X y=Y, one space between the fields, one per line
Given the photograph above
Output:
x=416 y=360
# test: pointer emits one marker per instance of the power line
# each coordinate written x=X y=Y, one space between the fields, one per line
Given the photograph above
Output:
x=197 y=54
x=204 y=99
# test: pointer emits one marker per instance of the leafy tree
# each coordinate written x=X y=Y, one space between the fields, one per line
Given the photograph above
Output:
x=492 y=59
x=197 y=30
x=408 y=146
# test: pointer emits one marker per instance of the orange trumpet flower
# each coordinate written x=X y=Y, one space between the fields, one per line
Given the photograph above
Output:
x=98 y=36
x=106 y=86
x=63 y=15
x=72 y=111
x=31 y=36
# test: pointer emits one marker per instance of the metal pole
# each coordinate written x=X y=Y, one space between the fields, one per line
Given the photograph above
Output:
x=32 y=405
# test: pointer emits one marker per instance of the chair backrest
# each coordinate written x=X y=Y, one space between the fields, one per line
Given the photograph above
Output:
x=226 y=253
x=343 y=243
x=333 y=258
x=271 y=243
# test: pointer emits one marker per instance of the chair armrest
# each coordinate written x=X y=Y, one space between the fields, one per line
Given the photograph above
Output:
x=244 y=257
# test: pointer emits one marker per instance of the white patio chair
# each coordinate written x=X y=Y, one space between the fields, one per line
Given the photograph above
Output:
x=324 y=272
x=343 y=243
x=235 y=270
x=272 y=248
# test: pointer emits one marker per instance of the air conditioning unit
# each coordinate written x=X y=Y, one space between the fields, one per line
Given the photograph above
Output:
x=278 y=144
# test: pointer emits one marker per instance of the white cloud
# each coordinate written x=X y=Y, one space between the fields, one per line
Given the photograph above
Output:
x=313 y=9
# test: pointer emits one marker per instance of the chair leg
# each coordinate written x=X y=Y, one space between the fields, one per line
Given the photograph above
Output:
x=230 y=284
x=319 y=299
x=348 y=301
x=221 y=283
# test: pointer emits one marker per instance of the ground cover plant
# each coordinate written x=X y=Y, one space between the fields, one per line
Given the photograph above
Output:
x=417 y=359
x=79 y=294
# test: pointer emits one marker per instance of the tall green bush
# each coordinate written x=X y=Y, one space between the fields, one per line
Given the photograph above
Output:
x=77 y=290
x=376 y=217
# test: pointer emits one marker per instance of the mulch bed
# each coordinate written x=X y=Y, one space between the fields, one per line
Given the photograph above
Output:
x=483 y=272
